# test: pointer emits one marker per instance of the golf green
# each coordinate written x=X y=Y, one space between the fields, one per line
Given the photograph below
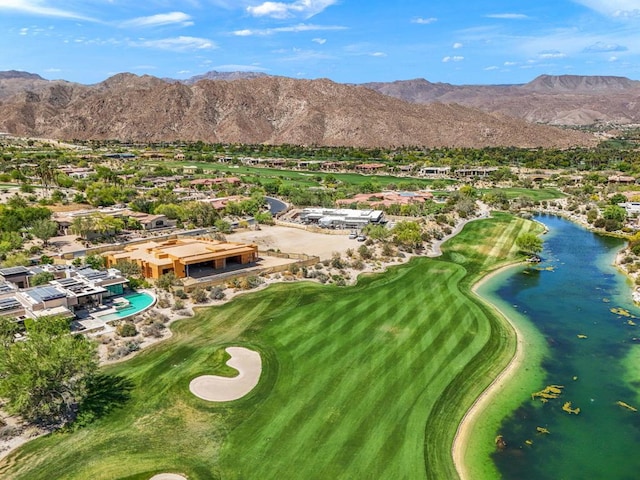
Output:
x=359 y=382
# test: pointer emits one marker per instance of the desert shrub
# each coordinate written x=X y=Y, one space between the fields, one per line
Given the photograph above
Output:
x=180 y=293
x=364 y=252
x=159 y=316
x=387 y=250
x=104 y=339
x=253 y=281
x=164 y=302
x=339 y=280
x=9 y=431
x=336 y=261
x=322 y=277
x=199 y=295
x=127 y=329
x=156 y=330
x=357 y=264
x=318 y=266
x=217 y=293
x=611 y=225
x=124 y=350
x=178 y=305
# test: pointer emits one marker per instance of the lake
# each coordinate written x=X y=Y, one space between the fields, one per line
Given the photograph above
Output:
x=592 y=353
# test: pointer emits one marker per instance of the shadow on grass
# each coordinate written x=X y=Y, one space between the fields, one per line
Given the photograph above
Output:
x=105 y=394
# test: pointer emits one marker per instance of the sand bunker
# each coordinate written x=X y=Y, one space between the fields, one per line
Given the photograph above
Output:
x=168 y=476
x=224 y=389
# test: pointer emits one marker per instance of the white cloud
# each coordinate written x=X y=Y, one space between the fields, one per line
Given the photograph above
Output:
x=160 y=19
x=39 y=7
x=303 y=27
x=613 y=8
x=510 y=64
x=177 y=44
x=319 y=41
x=457 y=45
x=300 y=55
x=613 y=58
x=603 y=47
x=492 y=67
x=456 y=58
x=378 y=54
x=238 y=68
x=508 y=16
x=424 y=21
x=303 y=8
x=24 y=31
x=552 y=54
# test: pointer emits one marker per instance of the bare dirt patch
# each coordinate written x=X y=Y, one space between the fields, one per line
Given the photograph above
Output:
x=295 y=240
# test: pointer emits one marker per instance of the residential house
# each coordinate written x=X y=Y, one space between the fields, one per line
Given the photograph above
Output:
x=185 y=256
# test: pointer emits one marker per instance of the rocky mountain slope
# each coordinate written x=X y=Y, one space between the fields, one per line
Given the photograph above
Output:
x=556 y=100
x=213 y=75
x=265 y=109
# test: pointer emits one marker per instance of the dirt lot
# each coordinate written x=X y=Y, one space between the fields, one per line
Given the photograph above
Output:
x=294 y=240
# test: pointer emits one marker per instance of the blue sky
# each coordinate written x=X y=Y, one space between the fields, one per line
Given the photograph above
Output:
x=354 y=41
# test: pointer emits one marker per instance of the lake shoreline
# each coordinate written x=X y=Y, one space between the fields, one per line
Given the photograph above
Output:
x=483 y=401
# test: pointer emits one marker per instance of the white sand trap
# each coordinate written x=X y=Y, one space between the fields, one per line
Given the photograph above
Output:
x=168 y=476
x=224 y=389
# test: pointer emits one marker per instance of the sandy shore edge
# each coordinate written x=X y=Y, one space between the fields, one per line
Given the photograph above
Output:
x=465 y=429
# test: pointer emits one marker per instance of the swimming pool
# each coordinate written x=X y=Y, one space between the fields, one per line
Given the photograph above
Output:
x=138 y=302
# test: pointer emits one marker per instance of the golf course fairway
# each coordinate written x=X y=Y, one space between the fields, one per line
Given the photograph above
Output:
x=361 y=382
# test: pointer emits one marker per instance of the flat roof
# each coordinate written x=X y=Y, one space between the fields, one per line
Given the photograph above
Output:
x=187 y=251
x=13 y=271
x=44 y=293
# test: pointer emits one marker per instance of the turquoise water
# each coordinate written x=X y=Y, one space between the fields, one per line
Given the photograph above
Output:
x=574 y=298
x=138 y=302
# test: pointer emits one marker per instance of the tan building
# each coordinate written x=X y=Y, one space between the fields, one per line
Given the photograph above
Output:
x=185 y=257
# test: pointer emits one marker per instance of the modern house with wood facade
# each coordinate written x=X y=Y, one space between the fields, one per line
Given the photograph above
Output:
x=185 y=257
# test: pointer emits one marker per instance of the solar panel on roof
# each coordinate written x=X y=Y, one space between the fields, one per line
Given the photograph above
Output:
x=13 y=271
x=9 y=304
x=96 y=275
x=44 y=294
x=67 y=282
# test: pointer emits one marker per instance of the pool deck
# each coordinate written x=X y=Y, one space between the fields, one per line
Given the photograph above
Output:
x=96 y=322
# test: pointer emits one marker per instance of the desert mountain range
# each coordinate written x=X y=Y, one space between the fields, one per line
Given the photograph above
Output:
x=257 y=108
x=569 y=100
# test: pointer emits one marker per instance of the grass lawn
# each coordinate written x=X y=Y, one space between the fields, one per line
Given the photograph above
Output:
x=358 y=382
x=304 y=178
x=535 y=194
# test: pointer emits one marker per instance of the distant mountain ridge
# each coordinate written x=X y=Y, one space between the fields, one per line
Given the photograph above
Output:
x=225 y=76
x=10 y=74
x=570 y=100
x=264 y=109
x=581 y=84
